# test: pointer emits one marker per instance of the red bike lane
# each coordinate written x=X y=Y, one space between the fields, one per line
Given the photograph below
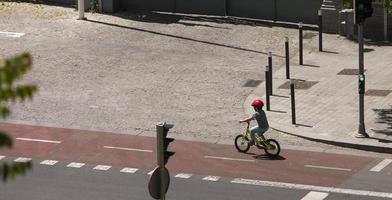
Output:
x=122 y=150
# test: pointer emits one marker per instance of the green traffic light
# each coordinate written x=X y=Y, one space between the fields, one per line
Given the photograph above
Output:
x=361 y=7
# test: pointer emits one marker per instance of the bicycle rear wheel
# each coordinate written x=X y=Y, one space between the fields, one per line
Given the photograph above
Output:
x=241 y=143
x=275 y=150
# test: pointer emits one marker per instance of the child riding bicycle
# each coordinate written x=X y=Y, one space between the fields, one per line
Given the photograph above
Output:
x=262 y=122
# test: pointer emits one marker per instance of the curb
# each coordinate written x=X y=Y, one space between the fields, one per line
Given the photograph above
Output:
x=341 y=144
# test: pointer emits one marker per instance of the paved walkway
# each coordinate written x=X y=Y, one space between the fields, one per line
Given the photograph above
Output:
x=328 y=110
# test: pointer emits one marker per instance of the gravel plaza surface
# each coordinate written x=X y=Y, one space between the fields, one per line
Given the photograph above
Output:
x=126 y=72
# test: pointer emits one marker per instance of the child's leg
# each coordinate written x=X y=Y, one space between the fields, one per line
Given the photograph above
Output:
x=253 y=131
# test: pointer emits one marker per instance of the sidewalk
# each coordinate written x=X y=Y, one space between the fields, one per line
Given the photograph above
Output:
x=328 y=110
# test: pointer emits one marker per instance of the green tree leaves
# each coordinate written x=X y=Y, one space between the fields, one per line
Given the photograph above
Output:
x=12 y=70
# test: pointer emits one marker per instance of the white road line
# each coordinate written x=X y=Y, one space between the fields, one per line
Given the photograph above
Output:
x=315 y=196
x=39 y=140
x=11 y=34
x=1 y=157
x=127 y=149
x=182 y=175
x=102 y=167
x=129 y=170
x=312 y=187
x=211 y=178
x=381 y=165
x=75 y=165
x=324 y=167
x=22 y=159
x=225 y=158
x=49 y=162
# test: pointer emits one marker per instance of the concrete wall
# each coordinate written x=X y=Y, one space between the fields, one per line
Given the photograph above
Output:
x=281 y=10
x=374 y=26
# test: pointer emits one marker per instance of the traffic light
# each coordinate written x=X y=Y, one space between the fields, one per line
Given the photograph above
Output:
x=362 y=10
x=163 y=142
x=361 y=84
x=166 y=142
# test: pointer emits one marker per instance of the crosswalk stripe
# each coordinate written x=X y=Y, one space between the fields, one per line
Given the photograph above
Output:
x=49 y=162
x=211 y=178
x=75 y=165
x=129 y=170
x=182 y=175
x=102 y=167
x=381 y=165
x=22 y=159
x=315 y=196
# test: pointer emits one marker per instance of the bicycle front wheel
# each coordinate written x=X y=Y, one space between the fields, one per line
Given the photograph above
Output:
x=273 y=147
x=241 y=143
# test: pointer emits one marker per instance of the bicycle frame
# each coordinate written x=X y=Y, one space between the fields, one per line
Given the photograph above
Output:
x=259 y=141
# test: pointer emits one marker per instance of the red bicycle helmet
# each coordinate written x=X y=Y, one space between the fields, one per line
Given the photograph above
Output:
x=257 y=103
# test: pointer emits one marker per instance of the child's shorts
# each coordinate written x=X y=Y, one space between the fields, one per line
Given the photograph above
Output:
x=257 y=130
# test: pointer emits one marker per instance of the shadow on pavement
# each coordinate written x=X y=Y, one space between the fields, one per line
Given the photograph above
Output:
x=384 y=116
x=180 y=37
x=266 y=157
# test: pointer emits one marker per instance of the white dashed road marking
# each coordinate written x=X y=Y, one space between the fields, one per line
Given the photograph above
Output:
x=181 y=175
x=381 y=165
x=49 y=162
x=129 y=170
x=22 y=159
x=11 y=34
x=225 y=158
x=127 y=149
x=312 y=187
x=324 y=167
x=1 y=157
x=75 y=165
x=102 y=167
x=315 y=196
x=39 y=140
x=211 y=178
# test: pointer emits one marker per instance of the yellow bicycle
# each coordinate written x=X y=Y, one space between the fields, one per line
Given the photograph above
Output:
x=270 y=146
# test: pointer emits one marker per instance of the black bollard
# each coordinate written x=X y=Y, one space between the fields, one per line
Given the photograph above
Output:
x=267 y=92
x=292 y=93
x=300 y=44
x=270 y=71
x=286 y=47
x=320 y=19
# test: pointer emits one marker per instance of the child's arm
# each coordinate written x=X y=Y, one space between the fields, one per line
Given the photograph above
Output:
x=247 y=119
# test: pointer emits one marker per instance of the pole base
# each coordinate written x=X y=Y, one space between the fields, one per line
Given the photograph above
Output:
x=83 y=18
x=361 y=135
x=361 y=132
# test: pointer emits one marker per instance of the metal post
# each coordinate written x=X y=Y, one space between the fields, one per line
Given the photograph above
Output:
x=361 y=128
x=160 y=157
x=226 y=8
x=81 y=10
x=267 y=92
x=292 y=94
x=385 y=22
x=287 y=52
x=320 y=17
x=300 y=44
x=270 y=71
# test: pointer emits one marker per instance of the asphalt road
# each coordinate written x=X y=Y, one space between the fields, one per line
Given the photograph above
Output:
x=77 y=164
x=64 y=183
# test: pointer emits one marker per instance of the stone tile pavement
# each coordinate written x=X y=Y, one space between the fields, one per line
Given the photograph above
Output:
x=328 y=111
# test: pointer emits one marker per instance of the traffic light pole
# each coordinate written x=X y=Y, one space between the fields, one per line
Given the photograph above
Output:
x=361 y=128
x=160 y=156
